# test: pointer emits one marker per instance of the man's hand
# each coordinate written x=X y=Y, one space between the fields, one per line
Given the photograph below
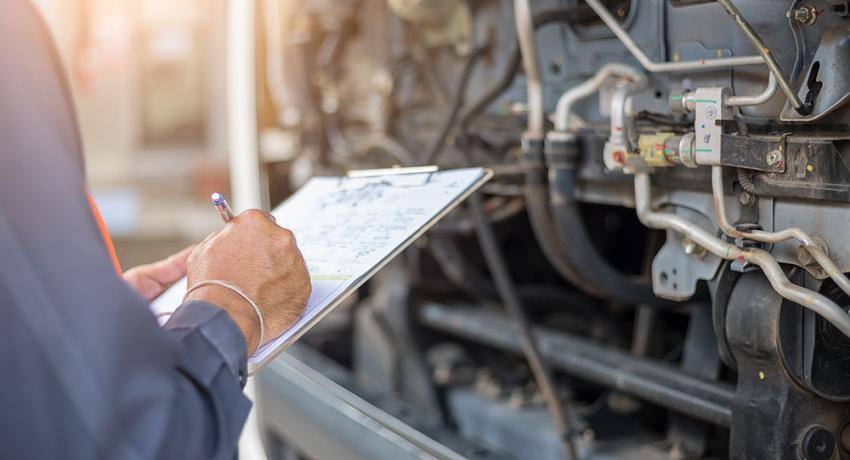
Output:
x=151 y=280
x=260 y=257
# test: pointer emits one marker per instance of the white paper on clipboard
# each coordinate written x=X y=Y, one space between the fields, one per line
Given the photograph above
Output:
x=349 y=228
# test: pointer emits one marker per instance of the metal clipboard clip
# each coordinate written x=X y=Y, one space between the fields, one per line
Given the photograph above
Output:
x=414 y=176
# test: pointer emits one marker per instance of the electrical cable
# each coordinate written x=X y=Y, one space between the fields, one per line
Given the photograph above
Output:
x=542 y=372
x=439 y=142
x=745 y=179
x=506 y=78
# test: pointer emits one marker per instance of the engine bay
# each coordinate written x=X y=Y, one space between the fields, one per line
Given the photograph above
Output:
x=657 y=269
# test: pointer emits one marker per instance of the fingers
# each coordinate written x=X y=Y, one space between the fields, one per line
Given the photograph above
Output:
x=147 y=287
x=151 y=280
x=173 y=268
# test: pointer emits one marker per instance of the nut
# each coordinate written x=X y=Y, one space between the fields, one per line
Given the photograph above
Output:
x=804 y=256
x=693 y=249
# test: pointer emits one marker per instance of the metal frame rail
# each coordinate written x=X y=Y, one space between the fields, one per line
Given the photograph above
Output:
x=652 y=381
x=315 y=406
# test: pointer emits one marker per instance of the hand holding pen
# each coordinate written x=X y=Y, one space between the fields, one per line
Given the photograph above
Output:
x=253 y=270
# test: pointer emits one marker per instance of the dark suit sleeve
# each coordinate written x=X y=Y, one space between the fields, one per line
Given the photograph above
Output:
x=85 y=371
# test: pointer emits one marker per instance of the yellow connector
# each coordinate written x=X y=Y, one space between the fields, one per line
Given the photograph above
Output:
x=656 y=151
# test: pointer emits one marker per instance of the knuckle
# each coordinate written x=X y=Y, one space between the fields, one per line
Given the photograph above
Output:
x=250 y=218
x=286 y=236
x=253 y=215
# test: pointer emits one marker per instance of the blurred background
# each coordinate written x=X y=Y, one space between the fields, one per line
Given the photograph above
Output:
x=148 y=77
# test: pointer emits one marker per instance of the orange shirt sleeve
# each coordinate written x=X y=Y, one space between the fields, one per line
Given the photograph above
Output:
x=104 y=233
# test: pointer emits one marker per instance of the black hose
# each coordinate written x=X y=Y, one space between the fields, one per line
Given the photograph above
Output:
x=504 y=285
x=578 y=260
x=593 y=272
x=540 y=218
x=436 y=147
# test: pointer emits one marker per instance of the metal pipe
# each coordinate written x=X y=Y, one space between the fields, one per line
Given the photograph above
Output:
x=783 y=286
x=589 y=87
x=763 y=50
x=525 y=35
x=758 y=99
x=308 y=399
x=661 y=67
x=809 y=243
x=649 y=380
x=621 y=127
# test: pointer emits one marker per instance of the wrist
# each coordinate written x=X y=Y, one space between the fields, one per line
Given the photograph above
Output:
x=235 y=307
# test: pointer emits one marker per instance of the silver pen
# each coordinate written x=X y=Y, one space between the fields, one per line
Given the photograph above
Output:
x=222 y=206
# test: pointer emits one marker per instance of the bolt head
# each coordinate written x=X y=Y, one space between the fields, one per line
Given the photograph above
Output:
x=774 y=158
x=804 y=256
x=692 y=249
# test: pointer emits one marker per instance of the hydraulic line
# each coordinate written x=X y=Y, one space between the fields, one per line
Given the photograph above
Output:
x=812 y=246
x=535 y=188
x=659 y=67
x=758 y=99
x=763 y=50
x=770 y=267
x=621 y=124
x=589 y=87
x=572 y=254
x=541 y=370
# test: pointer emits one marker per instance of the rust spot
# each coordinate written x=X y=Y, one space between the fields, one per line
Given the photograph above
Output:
x=619 y=157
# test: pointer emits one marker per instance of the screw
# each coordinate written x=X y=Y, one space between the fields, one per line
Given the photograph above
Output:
x=774 y=158
x=806 y=14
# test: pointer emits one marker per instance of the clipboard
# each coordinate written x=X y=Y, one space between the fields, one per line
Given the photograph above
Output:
x=359 y=222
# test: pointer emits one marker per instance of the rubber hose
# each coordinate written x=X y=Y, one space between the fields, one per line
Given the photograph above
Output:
x=580 y=251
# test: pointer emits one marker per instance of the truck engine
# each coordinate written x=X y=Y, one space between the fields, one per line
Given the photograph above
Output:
x=656 y=270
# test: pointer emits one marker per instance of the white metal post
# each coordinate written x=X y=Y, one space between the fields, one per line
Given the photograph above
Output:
x=245 y=178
